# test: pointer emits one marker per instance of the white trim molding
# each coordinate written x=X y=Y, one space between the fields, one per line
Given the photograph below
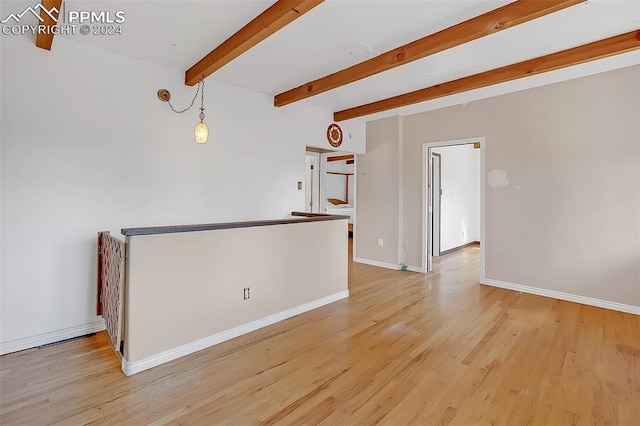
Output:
x=606 y=304
x=51 y=337
x=387 y=265
x=130 y=368
x=377 y=263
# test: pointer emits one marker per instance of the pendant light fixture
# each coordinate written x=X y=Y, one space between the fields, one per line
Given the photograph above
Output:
x=201 y=132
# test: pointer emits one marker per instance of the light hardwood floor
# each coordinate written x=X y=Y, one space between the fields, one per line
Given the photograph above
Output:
x=405 y=348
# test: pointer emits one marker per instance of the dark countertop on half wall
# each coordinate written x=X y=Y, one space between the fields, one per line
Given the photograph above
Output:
x=297 y=217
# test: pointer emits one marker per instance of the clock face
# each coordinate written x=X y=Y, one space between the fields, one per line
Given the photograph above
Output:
x=334 y=135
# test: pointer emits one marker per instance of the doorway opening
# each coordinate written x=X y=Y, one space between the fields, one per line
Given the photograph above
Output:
x=330 y=184
x=312 y=183
x=338 y=186
x=453 y=197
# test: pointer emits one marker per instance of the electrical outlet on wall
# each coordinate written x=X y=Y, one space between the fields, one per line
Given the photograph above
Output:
x=380 y=242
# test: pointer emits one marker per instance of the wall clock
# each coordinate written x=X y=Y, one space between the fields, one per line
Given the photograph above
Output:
x=334 y=135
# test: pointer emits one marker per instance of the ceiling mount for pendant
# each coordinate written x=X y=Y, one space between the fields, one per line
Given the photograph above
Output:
x=164 y=95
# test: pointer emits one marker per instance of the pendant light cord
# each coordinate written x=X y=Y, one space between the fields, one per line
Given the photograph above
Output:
x=201 y=116
x=200 y=88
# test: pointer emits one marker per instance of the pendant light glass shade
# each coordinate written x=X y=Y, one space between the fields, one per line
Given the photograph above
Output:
x=201 y=133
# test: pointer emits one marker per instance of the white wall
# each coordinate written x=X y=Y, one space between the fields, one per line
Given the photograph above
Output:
x=567 y=217
x=86 y=146
x=460 y=201
x=565 y=221
x=378 y=194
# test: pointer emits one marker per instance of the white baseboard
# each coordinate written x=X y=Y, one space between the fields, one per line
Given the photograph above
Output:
x=134 y=367
x=51 y=337
x=386 y=265
x=376 y=263
x=615 y=306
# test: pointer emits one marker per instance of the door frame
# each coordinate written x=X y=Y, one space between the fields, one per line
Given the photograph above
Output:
x=436 y=207
x=315 y=181
x=427 y=214
x=354 y=197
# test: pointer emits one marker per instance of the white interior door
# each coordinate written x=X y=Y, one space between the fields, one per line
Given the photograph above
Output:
x=436 y=194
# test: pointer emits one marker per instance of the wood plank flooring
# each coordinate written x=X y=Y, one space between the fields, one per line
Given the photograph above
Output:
x=405 y=348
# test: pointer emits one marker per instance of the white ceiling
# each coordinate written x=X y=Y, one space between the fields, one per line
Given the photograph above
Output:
x=340 y=33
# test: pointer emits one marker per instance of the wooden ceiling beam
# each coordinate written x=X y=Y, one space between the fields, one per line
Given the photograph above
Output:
x=44 y=39
x=483 y=25
x=589 y=52
x=276 y=17
x=340 y=158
